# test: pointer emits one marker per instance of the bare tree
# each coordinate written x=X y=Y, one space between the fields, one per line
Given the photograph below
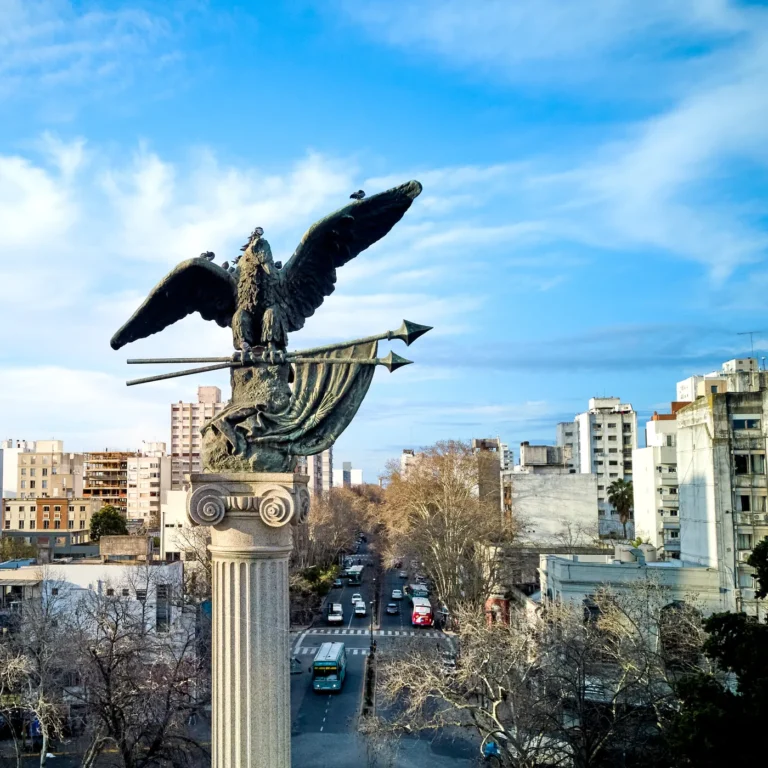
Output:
x=574 y=686
x=193 y=541
x=139 y=683
x=435 y=514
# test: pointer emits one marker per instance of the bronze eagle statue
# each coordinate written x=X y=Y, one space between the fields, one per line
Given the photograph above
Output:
x=260 y=301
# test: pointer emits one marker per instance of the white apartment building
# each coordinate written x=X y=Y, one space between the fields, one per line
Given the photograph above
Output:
x=721 y=447
x=149 y=480
x=567 y=436
x=656 y=498
x=49 y=472
x=347 y=477
x=319 y=467
x=187 y=419
x=602 y=440
x=9 y=465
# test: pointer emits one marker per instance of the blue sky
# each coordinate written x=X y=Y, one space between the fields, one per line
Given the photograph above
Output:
x=594 y=218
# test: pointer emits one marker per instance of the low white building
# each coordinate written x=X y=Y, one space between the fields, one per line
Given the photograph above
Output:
x=9 y=466
x=576 y=578
x=656 y=498
x=173 y=521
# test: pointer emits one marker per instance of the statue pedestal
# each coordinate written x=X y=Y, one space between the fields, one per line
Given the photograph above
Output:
x=251 y=517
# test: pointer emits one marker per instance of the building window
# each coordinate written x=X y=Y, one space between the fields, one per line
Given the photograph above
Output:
x=23 y=484
x=57 y=508
x=141 y=595
x=7 y=524
x=23 y=472
x=32 y=472
x=612 y=438
x=744 y=541
x=21 y=525
x=745 y=464
x=613 y=463
x=82 y=509
x=46 y=524
x=746 y=423
x=32 y=524
x=70 y=524
x=613 y=474
x=45 y=472
x=46 y=508
x=45 y=484
x=600 y=487
x=627 y=427
x=627 y=466
x=82 y=524
x=31 y=484
x=613 y=450
x=713 y=389
x=674 y=534
x=745 y=506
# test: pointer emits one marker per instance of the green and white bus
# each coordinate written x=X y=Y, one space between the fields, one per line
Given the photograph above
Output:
x=329 y=667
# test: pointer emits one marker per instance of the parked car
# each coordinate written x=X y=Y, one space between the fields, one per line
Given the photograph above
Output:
x=360 y=608
x=356 y=598
x=393 y=609
x=403 y=574
x=397 y=594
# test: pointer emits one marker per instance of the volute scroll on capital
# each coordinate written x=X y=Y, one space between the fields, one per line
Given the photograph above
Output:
x=276 y=505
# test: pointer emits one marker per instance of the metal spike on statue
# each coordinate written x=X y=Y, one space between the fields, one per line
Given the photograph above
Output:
x=284 y=404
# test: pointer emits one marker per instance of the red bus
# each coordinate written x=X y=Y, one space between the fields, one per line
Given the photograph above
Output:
x=422 y=613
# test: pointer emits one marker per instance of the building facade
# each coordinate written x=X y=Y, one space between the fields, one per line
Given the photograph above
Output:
x=187 y=419
x=105 y=478
x=32 y=519
x=655 y=486
x=149 y=480
x=721 y=447
x=607 y=435
x=319 y=468
x=347 y=477
x=549 y=501
x=49 y=471
x=9 y=465
x=567 y=436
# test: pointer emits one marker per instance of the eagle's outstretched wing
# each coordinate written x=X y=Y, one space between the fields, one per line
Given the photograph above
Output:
x=310 y=274
x=195 y=285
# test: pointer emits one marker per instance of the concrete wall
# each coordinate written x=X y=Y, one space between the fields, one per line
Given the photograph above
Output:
x=573 y=578
x=545 y=502
x=644 y=487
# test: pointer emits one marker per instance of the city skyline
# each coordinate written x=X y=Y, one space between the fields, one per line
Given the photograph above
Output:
x=557 y=178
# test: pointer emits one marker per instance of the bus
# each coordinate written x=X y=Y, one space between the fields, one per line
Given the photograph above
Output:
x=421 y=615
x=418 y=590
x=355 y=575
x=329 y=667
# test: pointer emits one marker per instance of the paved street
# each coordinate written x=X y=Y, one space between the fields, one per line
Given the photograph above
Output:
x=324 y=727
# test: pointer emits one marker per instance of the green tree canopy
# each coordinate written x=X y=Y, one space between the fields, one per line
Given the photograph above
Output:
x=759 y=561
x=620 y=496
x=107 y=522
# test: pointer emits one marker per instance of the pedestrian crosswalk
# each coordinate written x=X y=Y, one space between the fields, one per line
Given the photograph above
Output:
x=310 y=650
x=377 y=632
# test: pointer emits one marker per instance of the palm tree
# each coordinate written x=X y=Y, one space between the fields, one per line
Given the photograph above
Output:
x=620 y=496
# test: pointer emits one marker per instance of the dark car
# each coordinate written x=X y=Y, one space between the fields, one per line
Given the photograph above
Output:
x=393 y=609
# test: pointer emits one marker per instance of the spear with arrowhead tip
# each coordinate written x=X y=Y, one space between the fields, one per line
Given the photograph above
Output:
x=407 y=332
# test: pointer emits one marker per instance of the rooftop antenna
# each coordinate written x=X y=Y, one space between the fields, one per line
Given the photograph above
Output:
x=751 y=335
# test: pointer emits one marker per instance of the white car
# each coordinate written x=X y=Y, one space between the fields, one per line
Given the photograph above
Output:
x=360 y=608
x=397 y=594
x=356 y=598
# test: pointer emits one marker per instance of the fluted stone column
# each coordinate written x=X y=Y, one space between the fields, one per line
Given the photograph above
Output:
x=250 y=515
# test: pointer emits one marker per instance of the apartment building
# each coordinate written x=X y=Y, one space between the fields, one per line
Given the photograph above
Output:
x=603 y=438
x=567 y=437
x=722 y=439
x=9 y=465
x=347 y=477
x=655 y=485
x=320 y=470
x=187 y=419
x=105 y=478
x=49 y=471
x=43 y=517
x=149 y=480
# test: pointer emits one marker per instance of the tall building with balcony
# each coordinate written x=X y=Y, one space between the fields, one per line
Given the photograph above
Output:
x=722 y=439
x=149 y=480
x=105 y=478
x=187 y=419
x=49 y=471
x=655 y=485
